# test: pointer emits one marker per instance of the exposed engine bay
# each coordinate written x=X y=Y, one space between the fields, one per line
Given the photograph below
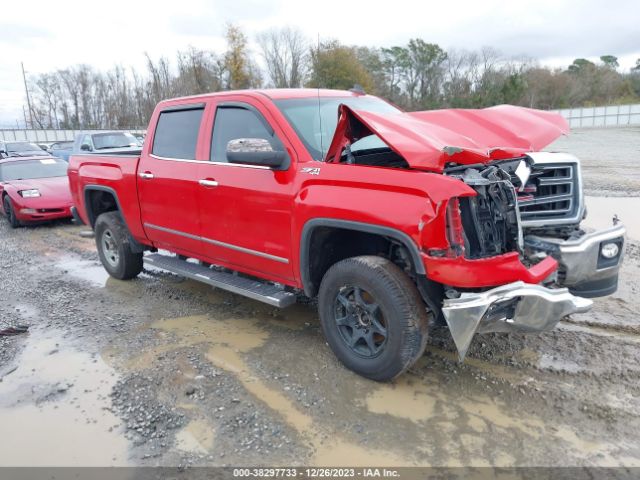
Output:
x=373 y=157
x=491 y=220
x=538 y=194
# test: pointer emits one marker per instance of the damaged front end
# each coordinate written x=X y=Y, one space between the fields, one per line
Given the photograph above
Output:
x=532 y=207
x=490 y=219
x=589 y=262
x=513 y=257
x=514 y=308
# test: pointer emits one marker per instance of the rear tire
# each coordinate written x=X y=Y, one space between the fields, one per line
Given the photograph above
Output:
x=372 y=317
x=10 y=213
x=114 y=247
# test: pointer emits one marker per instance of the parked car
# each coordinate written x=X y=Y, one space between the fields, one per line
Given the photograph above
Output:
x=140 y=138
x=34 y=189
x=20 y=149
x=106 y=142
x=45 y=146
x=393 y=220
x=62 y=149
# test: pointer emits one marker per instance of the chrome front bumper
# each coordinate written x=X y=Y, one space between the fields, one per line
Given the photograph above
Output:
x=516 y=307
x=583 y=269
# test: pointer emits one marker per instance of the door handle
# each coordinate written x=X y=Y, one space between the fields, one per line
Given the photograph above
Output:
x=208 y=183
x=146 y=175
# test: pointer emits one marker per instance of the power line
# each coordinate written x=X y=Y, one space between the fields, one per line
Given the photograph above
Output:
x=26 y=90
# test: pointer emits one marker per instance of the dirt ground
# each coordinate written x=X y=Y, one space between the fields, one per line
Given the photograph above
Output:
x=165 y=371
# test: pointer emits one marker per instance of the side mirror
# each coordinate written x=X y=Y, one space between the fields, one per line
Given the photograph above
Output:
x=85 y=147
x=254 y=151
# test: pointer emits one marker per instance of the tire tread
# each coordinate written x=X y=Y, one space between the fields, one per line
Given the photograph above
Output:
x=133 y=262
x=412 y=311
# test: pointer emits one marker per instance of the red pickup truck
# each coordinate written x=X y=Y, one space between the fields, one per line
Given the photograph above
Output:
x=393 y=220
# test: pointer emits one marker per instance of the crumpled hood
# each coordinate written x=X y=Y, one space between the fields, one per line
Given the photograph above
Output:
x=429 y=140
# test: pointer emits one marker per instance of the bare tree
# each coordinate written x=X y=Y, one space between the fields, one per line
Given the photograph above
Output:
x=285 y=53
x=415 y=76
x=198 y=72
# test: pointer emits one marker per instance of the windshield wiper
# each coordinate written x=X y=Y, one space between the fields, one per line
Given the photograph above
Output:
x=114 y=146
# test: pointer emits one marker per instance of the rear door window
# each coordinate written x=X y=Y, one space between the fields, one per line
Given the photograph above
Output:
x=176 y=134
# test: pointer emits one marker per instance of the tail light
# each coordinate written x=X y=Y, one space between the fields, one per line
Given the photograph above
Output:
x=455 y=233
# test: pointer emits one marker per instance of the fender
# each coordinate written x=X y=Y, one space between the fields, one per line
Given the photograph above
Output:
x=136 y=246
x=309 y=226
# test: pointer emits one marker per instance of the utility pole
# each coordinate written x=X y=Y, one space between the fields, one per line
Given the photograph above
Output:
x=26 y=90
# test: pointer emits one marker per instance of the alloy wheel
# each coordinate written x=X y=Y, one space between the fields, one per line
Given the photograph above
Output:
x=360 y=321
x=110 y=248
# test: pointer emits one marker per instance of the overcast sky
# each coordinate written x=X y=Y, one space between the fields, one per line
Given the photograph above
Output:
x=52 y=34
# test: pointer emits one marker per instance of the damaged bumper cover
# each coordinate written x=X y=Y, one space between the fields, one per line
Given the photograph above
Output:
x=589 y=264
x=516 y=307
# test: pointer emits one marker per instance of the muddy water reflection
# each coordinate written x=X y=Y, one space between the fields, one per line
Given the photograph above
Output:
x=455 y=422
x=228 y=342
x=600 y=210
x=53 y=408
x=196 y=437
x=84 y=270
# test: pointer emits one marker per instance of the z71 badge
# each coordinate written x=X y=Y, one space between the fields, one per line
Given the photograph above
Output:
x=311 y=170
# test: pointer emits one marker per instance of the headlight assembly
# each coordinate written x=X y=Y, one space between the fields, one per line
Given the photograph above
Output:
x=29 y=193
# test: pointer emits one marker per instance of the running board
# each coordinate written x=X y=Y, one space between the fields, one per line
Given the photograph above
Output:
x=255 y=289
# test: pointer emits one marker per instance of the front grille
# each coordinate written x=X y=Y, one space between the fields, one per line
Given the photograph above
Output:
x=551 y=195
x=50 y=210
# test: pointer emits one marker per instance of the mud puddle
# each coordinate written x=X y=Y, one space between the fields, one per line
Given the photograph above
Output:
x=90 y=271
x=54 y=407
x=228 y=345
x=83 y=270
x=600 y=211
x=197 y=437
x=420 y=409
x=627 y=337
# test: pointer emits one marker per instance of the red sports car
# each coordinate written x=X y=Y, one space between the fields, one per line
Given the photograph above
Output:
x=34 y=189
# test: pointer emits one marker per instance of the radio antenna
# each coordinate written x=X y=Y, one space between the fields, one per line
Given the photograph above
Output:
x=319 y=109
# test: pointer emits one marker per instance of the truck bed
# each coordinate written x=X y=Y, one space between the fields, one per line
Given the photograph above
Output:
x=115 y=173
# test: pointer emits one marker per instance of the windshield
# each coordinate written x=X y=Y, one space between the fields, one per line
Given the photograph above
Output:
x=316 y=130
x=102 y=141
x=16 y=148
x=30 y=169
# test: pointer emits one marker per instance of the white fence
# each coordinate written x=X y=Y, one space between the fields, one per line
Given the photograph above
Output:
x=609 y=116
x=42 y=136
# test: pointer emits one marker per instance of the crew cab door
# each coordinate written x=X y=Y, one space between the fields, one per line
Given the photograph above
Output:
x=168 y=179
x=245 y=210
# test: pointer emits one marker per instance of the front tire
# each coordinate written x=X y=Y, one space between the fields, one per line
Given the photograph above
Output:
x=114 y=247
x=10 y=212
x=372 y=317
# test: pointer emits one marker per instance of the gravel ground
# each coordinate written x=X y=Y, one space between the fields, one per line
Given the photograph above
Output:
x=609 y=159
x=165 y=371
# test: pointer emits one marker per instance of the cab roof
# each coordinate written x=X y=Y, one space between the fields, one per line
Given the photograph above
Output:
x=275 y=94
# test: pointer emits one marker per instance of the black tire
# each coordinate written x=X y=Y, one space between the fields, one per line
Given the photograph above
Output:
x=114 y=247
x=10 y=213
x=372 y=317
